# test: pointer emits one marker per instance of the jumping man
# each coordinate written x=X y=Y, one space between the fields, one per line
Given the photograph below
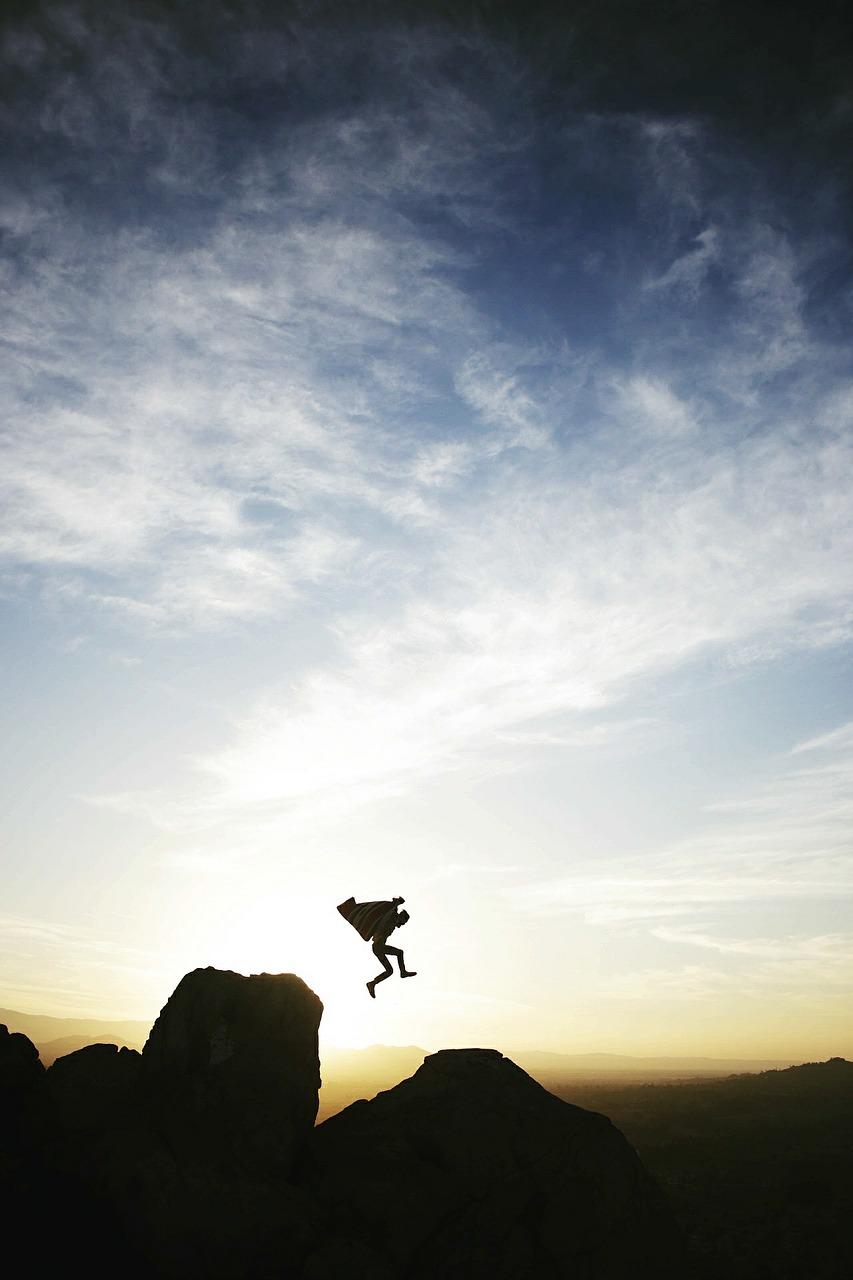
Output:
x=375 y=922
x=382 y=950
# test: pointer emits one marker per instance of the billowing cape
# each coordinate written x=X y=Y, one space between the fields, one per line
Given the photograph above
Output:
x=368 y=917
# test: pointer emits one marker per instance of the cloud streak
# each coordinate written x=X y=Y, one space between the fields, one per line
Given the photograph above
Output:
x=538 y=626
x=782 y=854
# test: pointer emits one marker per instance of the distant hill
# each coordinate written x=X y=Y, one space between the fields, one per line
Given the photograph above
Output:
x=380 y=1058
x=54 y=1037
x=350 y=1074
x=758 y=1168
x=623 y=1066
x=353 y=1073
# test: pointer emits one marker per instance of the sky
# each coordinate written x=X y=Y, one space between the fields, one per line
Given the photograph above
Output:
x=427 y=464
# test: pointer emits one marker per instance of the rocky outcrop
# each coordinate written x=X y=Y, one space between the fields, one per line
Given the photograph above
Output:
x=470 y=1170
x=198 y=1159
x=187 y=1148
x=245 y=1053
x=20 y=1072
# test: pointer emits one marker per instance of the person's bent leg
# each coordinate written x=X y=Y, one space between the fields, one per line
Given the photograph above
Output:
x=401 y=961
x=386 y=971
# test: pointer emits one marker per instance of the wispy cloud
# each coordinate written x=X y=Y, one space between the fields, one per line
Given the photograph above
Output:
x=782 y=854
x=626 y=899
x=544 y=603
x=72 y=966
x=688 y=272
x=285 y=347
x=805 y=991
x=308 y=340
x=305 y=393
x=825 y=954
x=812 y=975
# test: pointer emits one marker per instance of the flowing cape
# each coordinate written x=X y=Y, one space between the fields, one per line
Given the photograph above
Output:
x=367 y=917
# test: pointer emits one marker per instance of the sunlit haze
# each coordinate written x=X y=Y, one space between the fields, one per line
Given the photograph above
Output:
x=427 y=470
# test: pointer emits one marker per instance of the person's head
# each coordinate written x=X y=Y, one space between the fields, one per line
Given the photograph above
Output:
x=402 y=917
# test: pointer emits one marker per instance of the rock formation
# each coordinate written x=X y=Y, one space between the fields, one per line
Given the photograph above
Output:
x=185 y=1150
x=198 y=1159
x=20 y=1072
x=471 y=1170
x=246 y=1051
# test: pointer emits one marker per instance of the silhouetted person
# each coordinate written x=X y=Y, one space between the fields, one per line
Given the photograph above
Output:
x=382 y=950
x=375 y=922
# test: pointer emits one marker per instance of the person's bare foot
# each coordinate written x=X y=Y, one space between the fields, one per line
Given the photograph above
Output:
x=369 y=986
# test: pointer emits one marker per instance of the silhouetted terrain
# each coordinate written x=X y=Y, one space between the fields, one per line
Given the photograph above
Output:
x=54 y=1037
x=349 y=1074
x=199 y=1158
x=758 y=1168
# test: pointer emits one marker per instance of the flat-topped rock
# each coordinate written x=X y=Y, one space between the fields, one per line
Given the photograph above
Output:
x=245 y=1050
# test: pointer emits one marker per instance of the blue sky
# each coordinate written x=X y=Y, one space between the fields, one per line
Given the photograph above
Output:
x=427 y=471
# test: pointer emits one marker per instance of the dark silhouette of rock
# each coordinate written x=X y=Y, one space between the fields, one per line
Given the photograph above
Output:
x=88 y=1092
x=20 y=1072
x=470 y=1170
x=246 y=1052
x=198 y=1159
x=185 y=1150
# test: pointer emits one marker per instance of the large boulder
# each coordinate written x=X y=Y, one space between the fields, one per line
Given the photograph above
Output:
x=470 y=1170
x=244 y=1052
x=21 y=1071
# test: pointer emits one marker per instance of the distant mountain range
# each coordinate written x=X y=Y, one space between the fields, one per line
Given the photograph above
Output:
x=383 y=1065
x=379 y=1058
x=55 y=1037
x=538 y=1063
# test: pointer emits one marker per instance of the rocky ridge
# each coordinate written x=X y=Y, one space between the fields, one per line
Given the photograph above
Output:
x=199 y=1159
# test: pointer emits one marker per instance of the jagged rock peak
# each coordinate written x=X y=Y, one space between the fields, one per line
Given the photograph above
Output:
x=20 y=1073
x=19 y=1060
